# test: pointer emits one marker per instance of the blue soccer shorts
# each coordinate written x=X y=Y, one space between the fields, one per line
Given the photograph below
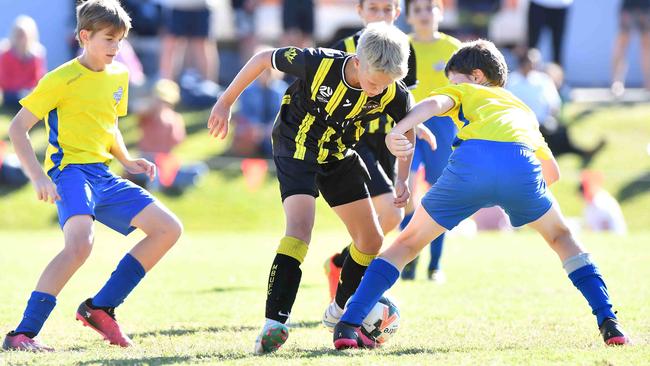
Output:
x=485 y=173
x=92 y=189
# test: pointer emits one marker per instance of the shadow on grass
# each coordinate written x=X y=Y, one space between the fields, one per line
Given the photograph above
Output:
x=166 y=360
x=330 y=352
x=177 y=332
x=306 y=324
x=226 y=289
x=638 y=186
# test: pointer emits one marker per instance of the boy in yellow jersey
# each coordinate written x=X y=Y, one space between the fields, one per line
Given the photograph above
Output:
x=500 y=159
x=81 y=101
x=323 y=115
x=433 y=49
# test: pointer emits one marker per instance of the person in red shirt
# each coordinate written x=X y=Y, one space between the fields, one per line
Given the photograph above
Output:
x=22 y=61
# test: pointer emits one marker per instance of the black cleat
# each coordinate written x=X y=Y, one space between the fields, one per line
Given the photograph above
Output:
x=348 y=336
x=612 y=333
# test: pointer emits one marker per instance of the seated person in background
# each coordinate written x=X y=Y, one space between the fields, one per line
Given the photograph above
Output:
x=22 y=61
x=602 y=212
x=258 y=106
x=538 y=91
x=163 y=129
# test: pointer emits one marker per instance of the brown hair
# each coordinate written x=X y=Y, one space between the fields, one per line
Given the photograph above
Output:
x=436 y=3
x=482 y=55
x=95 y=15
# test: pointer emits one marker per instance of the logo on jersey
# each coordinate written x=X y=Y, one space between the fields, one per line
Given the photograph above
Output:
x=440 y=65
x=324 y=94
x=370 y=105
x=347 y=103
x=290 y=54
x=117 y=96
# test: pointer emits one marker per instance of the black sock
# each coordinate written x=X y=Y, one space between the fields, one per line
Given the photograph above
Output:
x=351 y=274
x=284 y=280
x=339 y=259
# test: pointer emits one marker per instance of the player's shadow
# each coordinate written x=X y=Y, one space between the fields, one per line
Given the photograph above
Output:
x=306 y=324
x=179 y=332
x=163 y=360
x=639 y=185
x=317 y=353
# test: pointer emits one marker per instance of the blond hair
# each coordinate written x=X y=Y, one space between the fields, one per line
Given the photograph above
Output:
x=384 y=48
x=95 y=15
x=26 y=25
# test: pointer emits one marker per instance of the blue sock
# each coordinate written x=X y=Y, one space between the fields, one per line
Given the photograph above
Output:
x=405 y=221
x=39 y=307
x=379 y=277
x=588 y=280
x=436 y=252
x=123 y=280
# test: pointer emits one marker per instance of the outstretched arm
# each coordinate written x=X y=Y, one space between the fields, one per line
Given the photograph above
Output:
x=398 y=144
x=220 y=115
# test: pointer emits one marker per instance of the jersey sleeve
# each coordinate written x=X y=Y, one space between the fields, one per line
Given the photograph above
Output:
x=45 y=96
x=292 y=60
x=401 y=104
x=411 y=80
x=542 y=151
x=455 y=92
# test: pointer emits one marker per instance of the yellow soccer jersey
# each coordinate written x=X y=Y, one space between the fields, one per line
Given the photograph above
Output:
x=494 y=114
x=80 y=108
x=431 y=59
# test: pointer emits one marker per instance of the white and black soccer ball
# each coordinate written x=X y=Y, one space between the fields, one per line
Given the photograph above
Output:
x=382 y=321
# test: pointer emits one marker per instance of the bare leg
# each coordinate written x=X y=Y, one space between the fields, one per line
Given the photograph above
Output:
x=619 y=63
x=206 y=57
x=79 y=237
x=389 y=215
x=556 y=233
x=163 y=229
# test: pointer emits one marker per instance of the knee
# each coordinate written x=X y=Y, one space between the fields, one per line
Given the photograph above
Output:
x=78 y=248
x=170 y=229
x=392 y=219
x=560 y=237
x=300 y=229
x=370 y=242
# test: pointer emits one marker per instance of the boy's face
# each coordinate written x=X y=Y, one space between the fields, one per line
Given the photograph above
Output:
x=378 y=11
x=423 y=14
x=102 y=45
x=373 y=82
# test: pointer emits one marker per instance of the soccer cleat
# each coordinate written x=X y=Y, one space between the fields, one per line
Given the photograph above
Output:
x=20 y=342
x=333 y=273
x=348 y=336
x=437 y=276
x=332 y=315
x=613 y=333
x=272 y=337
x=103 y=322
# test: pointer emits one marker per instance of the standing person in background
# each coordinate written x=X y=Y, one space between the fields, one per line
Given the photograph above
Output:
x=549 y=14
x=187 y=26
x=245 y=26
x=22 y=61
x=298 y=23
x=634 y=14
x=432 y=49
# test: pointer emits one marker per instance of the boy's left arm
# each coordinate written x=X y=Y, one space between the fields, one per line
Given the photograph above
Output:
x=133 y=166
x=402 y=193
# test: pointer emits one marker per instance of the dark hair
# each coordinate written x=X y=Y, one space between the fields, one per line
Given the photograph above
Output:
x=95 y=15
x=435 y=3
x=482 y=55
x=362 y=1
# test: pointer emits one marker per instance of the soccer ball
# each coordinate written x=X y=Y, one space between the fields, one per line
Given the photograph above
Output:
x=382 y=321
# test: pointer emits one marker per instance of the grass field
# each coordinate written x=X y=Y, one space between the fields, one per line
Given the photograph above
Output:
x=507 y=301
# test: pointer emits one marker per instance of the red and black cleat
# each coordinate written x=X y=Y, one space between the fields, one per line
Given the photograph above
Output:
x=348 y=336
x=103 y=322
x=20 y=342
x=612 y=333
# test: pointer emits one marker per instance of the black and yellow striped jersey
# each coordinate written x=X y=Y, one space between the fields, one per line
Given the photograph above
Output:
x=383 y=124
x=322 y=116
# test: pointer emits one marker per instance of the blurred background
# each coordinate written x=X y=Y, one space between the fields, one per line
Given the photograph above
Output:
x=592 y=50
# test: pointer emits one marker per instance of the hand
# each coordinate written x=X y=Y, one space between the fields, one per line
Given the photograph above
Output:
x=139 y=166
x=399 y=145
x=45 y=189
x=402 y=193
x=425 y=134
x=219 y=119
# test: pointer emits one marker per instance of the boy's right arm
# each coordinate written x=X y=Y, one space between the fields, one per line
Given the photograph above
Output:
x=550 y=170
x=18 y=133
x=220 y=115
x=397 y=143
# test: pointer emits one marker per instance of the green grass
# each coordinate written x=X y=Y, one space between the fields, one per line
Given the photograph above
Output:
x=507 y=301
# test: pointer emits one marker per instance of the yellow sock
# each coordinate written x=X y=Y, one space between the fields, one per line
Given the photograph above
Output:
x=293 y=247
x=360 y=258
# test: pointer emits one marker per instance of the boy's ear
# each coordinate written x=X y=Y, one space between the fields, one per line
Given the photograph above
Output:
x=478 y=76
x=84 y=35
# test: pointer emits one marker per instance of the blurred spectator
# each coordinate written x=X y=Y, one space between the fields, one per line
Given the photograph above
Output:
x=474 y=17
x=538 y=91
x=635 y=14
x=549 y=14
x=298 y=23
x=258 y=106
x=11 y=173
x=128 y=57
x=602 y=212
x=187 y=27
x=163 y=129
x=22 y=61
x=245 y=26
x=146 y=20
